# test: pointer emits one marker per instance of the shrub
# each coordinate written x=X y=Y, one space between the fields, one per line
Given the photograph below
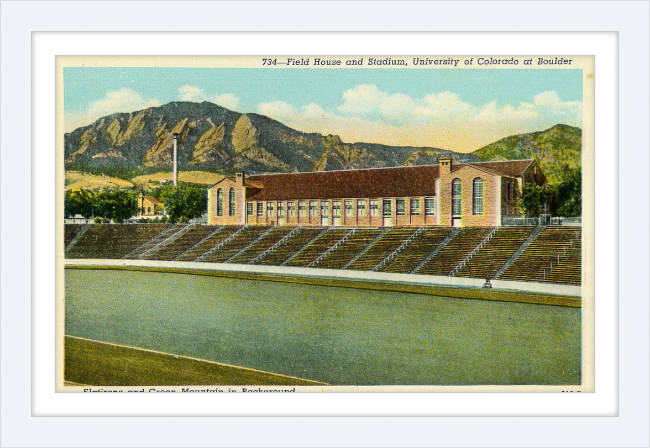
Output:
x=97 y=219
x=163 y=219
x=105 y=221
x=156 y=219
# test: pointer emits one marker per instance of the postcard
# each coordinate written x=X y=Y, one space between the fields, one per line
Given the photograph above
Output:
x=281 y=224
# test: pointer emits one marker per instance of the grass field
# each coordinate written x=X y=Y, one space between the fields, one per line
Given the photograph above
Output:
x=99 y=364
x=194 y=177
x=76 y=180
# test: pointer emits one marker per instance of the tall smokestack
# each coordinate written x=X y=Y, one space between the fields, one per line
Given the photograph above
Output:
x=175 y=144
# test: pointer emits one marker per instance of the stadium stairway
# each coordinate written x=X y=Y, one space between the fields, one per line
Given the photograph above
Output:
x=488 y=259
x=261 y=244
x=240 y=241
x=164 y=233
x=180 y=243
x=384 y=245
x=338 y=257
x=317 y=247
x=419 y=251
x=208 y=243
x=72 y=233
x=301 y=239
x=455 y=251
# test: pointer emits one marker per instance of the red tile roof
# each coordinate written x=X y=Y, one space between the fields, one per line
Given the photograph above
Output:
x=365 y=183
x=154 y=200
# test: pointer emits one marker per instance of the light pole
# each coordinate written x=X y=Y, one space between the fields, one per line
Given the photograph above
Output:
x=175 y=145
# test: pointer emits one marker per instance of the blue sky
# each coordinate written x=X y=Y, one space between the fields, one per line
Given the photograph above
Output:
x=422 y=107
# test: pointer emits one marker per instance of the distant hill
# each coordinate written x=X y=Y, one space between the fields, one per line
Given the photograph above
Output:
x=552 y=148
x=215 y=138
x=191 y=177
x=75 y=181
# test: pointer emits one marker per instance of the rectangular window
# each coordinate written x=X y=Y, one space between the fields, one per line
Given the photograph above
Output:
x=291 y=208
x=430 y=206
x=401 y=207
x=269 y=209
x=361 y=208
x=387 y=208
x=349 y=210
x=260 y=209
x=337 y=209
x=374 y=208
x=415 y=207
x=249 y=208
x=313 y=211
x=280 y=210
x=302 y=209
x=325 y=208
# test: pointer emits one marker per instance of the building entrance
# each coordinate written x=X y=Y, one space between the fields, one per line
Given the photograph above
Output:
x=387 y=213
x=325 y=214
x=336 y=213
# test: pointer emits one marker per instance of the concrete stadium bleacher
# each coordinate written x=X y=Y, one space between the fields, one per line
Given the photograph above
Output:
x=346 y=251
x=455 y=251
x=282 y=253
x=550 y=248
x=385 y=246
x=167 y=232
x=568 y=268
x=318 y=247
x=178 y=246
x=220 y=234
x=414 y=253
x=113 y=240
x=243 y=239
x=265 y=242
x=494 y=254
x=70 y=232
x=553 y=255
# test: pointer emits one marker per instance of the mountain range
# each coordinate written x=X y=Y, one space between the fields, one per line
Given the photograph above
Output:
x=215 y=138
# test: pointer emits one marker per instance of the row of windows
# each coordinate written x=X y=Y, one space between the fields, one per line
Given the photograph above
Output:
x=361 y=211
x=309 y=208
x=231 y=202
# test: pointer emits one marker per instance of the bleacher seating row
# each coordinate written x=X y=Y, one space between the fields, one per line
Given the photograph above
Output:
x=70 y=232
x=553 y=256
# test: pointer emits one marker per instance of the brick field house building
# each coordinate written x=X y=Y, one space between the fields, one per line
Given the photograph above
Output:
x=447 y=194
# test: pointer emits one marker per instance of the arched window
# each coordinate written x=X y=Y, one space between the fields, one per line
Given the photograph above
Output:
x=456 y=191
x=219 y=202
x=231 y=202
x=477 y=196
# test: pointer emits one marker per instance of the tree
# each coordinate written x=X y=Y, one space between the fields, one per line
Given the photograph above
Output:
x=78 y=203
x=534 y=197
x=188 y=201
x=117 y=205
x=569 y=192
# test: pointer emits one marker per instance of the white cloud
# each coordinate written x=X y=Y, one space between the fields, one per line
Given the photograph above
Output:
x=227 y=100
x=362 y=99
x=193 y=93
x=440 y=120
x=278 y=110
x=123 y=100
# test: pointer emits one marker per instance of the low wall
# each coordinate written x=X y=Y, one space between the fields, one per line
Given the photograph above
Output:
x=526 y=292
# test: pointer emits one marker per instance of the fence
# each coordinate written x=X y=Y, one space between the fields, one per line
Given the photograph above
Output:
x=541 y=220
